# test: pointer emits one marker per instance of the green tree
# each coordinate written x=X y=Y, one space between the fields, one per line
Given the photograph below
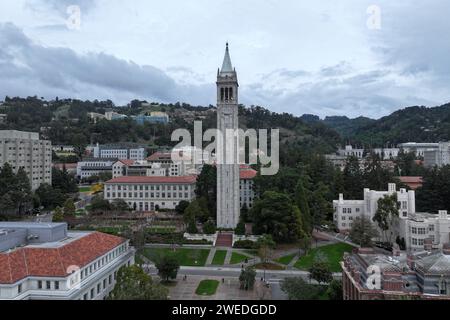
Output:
x=321 y=207
x=247 y=278
x=387 y=212
x=120 y=205
x=134 y=284
x=375 y=176
x=181 y=207
x=58 y=215
x=299 y=289
x=209 y=227
x=167 y=266
x=353 y=180
x=265 y=246
x=206 y=187
x=363 y=232
x=302 y=203
x=49 y=197
x=320 y=269
x=275 y=214
x=100 y=205
x=334 y=291
x=69 y=208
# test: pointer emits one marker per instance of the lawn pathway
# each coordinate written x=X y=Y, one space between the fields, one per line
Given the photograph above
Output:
x=293 y=262
x=228 y=256
x=210 y=258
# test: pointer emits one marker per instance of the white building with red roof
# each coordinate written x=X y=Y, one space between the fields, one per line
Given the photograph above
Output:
x=45 y=261
x=149 y=193
x=144 y=193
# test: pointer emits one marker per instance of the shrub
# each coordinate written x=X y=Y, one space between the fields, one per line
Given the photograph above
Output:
x=245 y=244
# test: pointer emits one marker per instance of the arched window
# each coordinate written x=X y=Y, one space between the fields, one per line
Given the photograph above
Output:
x=222 y=94
x=231 y=93
x=226 y=94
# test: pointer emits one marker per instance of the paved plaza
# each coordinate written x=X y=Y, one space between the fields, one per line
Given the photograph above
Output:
x=227 y=290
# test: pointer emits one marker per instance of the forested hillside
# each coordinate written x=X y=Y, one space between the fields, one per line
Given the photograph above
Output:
x=417 y=124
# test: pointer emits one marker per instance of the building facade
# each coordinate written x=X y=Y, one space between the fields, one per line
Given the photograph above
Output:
x=370 y=275
x=44 y=261
x=151 y=193
x=91 y=167
x=439 y=157
x=418 y=149
x=419 y=230
x=246 y=188
x=25 y=150
x=346 y=211
x=228 y=205
x=422 y=230
x=120 y=151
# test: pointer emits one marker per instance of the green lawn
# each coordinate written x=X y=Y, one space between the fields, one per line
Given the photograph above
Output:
x=161 y=229
x=237 y=258
x=286 y=259
x=219 y=257
x=333 y=252
x=84 y=189
x=207 y=288
x=186 y=257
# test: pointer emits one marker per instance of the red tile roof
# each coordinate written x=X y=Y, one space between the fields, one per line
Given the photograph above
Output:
x=247 y=174
x=411 y=179
x=68 y=166
x=54 y=262
x=160 y=156
x=142 y=179
x=127 y=162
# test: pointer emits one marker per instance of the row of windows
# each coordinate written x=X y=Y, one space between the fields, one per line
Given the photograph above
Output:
x=349 y=210
x=421 y=231
x=148 y=195
x=147 y=187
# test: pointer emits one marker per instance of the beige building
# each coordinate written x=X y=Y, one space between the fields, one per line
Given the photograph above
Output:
x=25 y=149
x=151 y=193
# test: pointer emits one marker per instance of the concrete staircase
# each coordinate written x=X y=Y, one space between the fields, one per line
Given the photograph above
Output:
x=224 y=240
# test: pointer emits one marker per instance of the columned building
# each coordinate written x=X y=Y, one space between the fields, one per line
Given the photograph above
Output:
x=228 y=206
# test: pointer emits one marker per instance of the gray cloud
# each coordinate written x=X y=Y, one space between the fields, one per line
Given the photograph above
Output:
x=60 y=71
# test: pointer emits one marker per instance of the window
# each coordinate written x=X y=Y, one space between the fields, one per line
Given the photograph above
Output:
x=92 y=293
x=431 y=227
x=39 y=284
x=56 y=285
x=19 y=288
x=414 y=230
x=48 y=285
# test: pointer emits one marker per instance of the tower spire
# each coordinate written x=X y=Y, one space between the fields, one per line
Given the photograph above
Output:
x=227 y=67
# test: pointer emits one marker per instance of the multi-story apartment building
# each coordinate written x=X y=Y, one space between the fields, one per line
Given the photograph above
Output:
x=120 y=151
x=439 y=157
x=346 y=211
x=45 y=261
x=151 y=193
x=425 y=229
x=418 y=148
x=90 y=167
x=370 y=275
x=418 y=229
x=25 y=150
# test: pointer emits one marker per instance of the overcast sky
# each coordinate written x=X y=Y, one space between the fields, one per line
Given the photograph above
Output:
x=297 y=56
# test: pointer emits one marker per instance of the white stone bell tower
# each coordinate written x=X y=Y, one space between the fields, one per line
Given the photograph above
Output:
x=228 y=195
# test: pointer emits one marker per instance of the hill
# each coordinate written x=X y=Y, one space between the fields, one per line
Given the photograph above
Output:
x=418 y=124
